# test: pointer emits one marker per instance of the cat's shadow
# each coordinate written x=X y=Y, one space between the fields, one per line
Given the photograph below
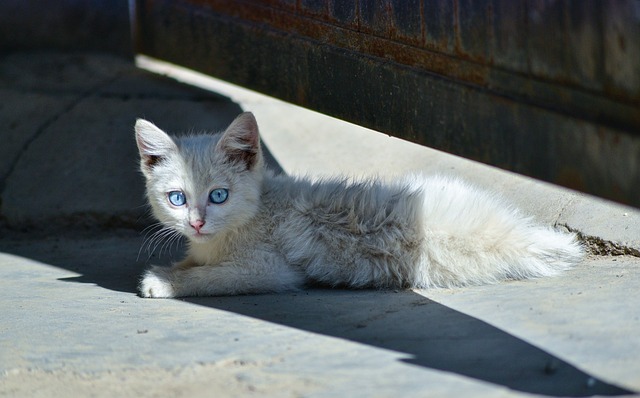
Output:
x=430 y=334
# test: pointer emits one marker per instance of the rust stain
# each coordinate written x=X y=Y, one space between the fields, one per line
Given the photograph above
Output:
x=456 y=27
x=390 y=21
x=423 y=30
x=329 y=32
x=301 y=94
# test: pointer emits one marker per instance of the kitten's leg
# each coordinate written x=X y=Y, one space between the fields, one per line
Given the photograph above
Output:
x=184 y=280
x=156 y=282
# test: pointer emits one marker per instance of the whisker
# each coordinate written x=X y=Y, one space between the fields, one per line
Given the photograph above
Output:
x=174 y=239
x=154 y=239
x=148 y=228
x=148 y=237
x=159 y=239
x=169 y=242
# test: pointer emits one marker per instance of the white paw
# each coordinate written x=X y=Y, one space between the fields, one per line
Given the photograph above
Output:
x=155 y=283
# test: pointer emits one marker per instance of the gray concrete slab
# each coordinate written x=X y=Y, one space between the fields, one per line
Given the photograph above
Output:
x=71 y=323
x=23 y=115
x=71 y=318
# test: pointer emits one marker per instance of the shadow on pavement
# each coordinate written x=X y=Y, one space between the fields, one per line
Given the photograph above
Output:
x=431 y=334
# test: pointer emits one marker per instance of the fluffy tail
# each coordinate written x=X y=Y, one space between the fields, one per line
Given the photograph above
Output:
x=472 y=237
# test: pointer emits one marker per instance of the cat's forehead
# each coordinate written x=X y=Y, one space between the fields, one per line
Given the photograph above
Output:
x=197 y=143
x=201 y=162
x=198 y=150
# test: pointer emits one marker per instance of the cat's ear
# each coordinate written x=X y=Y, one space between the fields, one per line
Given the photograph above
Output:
x=240 y=143
x=153 y=144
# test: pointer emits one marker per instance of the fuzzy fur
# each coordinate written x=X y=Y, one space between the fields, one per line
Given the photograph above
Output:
x=277 y=233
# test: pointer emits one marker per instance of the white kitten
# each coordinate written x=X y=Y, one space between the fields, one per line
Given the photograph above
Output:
x=250 y=231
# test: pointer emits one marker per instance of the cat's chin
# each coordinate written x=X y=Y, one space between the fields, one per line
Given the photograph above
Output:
x=201 y=238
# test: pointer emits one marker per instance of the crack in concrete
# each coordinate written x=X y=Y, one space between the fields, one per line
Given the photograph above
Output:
x=595 y=244
x=602 y=247
x=47 y=123
x=569 y=202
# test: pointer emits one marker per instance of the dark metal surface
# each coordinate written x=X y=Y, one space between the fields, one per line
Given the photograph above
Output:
x=68 y=25
x=549 y=89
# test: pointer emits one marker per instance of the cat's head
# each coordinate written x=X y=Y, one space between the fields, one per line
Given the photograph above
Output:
x=206 y=184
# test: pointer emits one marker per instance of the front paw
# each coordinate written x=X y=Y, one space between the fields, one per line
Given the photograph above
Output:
x=156 y=283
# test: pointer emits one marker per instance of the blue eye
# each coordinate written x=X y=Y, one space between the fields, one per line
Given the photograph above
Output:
x=219 y=195
x=177 y=198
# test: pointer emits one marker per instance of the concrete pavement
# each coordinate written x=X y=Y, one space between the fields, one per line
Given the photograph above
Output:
x=70 y=255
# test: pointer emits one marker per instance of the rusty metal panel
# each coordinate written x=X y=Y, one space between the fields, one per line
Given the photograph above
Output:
x=439 y=23
x=510 y=39
x=550 y=89
x=622 y=49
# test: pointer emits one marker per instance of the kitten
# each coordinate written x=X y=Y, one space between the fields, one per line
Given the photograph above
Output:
x=250 y=231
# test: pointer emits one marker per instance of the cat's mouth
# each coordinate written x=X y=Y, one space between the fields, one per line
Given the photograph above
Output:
x=200 y=236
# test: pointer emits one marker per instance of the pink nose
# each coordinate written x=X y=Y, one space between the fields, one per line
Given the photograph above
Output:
x=197 y=225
